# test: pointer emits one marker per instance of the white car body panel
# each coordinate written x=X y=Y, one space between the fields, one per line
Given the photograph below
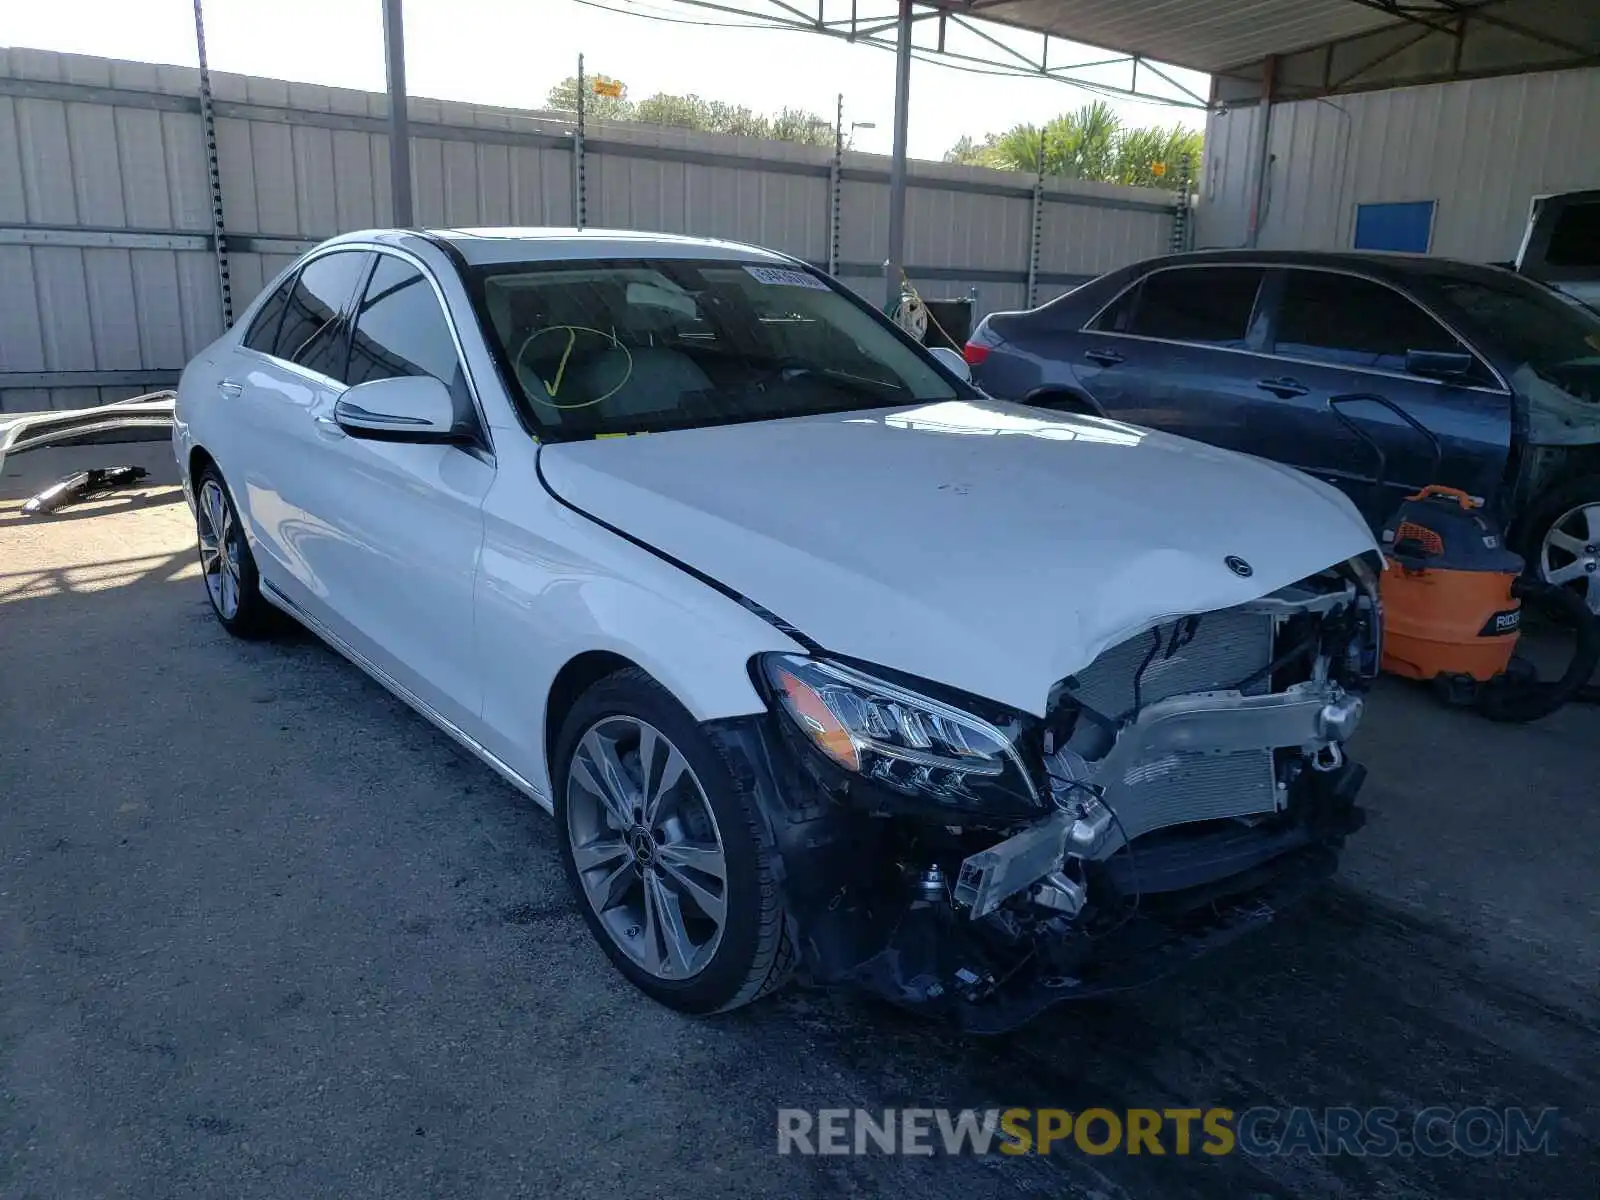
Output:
x=988 y=546
x=981 y=545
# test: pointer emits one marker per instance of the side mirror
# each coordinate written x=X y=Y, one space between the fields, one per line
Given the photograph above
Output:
x=952 y=362
x=1438 y=364
x=410 y=408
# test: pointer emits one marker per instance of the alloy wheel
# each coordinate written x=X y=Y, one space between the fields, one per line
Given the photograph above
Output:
x=1570 y=554
x=647 y=849
x=219 y=548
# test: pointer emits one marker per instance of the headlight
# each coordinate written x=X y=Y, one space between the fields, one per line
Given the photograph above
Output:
x=909 y=743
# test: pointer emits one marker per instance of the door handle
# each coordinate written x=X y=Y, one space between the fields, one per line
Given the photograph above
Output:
x=229 y=389
x=328 y=427
x=1283 y=387
x=1106 y=358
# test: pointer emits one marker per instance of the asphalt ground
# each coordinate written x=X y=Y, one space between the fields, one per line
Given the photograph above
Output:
x=264 y=932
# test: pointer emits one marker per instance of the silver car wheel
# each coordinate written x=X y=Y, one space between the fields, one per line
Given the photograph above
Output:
x=647 y=848
x=1570 y=554
x=219 y=548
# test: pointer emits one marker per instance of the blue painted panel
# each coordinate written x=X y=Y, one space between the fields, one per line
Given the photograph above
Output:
x=1404 y=226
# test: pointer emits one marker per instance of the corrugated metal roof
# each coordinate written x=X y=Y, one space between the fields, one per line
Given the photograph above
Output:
x=1204 y=35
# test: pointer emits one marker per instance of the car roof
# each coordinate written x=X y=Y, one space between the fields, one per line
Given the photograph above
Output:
x=535 y=243
x=1394 y=267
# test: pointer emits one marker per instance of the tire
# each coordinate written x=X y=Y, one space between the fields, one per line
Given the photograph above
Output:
x=1561 y=538
x=708 y=970
x=232 y=583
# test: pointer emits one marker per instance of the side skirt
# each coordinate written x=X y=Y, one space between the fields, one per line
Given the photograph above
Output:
x=404 y=694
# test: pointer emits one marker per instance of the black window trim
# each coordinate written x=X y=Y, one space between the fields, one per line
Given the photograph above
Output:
x=352 y=311
x=1270 y=268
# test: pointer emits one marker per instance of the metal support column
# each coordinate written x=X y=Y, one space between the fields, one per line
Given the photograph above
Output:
x=394 y=49
x=208 y=125
x=580 y=190
x=894 y=267
x=1258 y=199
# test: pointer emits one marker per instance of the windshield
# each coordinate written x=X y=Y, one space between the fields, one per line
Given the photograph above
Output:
x=1535 y=325
x=634 y=347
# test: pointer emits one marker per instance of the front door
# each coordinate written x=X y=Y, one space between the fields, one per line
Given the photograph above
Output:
x=403 y=522
x=1337 y=336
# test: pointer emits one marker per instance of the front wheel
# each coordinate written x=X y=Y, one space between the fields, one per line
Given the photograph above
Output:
x=1563 y=540
x=665 y=851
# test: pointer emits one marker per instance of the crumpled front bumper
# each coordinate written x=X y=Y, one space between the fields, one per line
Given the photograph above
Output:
x=1097 y=814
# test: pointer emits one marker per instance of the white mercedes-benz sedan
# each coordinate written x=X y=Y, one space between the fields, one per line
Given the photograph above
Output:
x=821 y=658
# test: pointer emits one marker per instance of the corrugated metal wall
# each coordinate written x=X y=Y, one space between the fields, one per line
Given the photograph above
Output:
x=108 y=280
x=1481 y=150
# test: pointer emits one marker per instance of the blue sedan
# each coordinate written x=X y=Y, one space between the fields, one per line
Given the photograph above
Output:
x=1330 y=363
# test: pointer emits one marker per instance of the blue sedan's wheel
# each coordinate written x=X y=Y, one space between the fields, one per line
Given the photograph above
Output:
x=1569 y=554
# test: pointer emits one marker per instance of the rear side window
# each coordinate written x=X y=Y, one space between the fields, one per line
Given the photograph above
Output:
x=401 y=330
x=1210 y=306
x=1353 y=322
x=264 y=329
x=312 y=333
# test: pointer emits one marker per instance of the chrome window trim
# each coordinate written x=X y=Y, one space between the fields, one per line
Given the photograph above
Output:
x=1503 y=390
x=438 y=294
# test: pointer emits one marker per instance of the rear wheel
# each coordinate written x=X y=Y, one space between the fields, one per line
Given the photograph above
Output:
x=1563 y=541
x=664 y=850
x=226 y=564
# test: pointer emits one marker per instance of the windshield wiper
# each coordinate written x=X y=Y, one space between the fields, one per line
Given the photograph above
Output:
x=878 y=391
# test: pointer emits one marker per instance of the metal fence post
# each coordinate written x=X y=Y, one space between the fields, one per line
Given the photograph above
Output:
x=835 y=182
x=208 y=124
x=580 y=198
x=1036 y=236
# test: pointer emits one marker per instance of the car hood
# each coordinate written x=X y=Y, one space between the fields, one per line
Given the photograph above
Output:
x=989 y=546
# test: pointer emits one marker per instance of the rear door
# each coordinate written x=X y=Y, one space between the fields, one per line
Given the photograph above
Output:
x=1174 y=352
x=286 y=367
x=1334 y=334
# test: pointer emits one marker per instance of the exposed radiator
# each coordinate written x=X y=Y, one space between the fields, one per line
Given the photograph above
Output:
x=1178 y=788
x=1227 y=646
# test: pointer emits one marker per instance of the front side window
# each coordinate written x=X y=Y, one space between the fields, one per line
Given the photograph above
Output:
x=641 y=346
x=1209 y=306
x=1554 y=335
x=400 y=328
x=312 y=334
x=1348 y=321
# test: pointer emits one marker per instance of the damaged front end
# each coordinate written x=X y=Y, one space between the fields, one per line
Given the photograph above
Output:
x=1181 y=789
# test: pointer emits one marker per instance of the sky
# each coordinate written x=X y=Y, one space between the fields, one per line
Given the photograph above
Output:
x=510 y=52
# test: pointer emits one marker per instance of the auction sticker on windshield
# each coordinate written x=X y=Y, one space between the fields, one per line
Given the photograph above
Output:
x=782 y=277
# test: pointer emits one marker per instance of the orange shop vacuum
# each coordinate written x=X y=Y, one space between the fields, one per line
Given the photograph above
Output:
x=1453 y=598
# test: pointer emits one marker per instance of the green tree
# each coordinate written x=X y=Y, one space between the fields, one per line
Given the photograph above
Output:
x=564 y=98
x=680 y=112
x=1088 y=143
x=798 y=125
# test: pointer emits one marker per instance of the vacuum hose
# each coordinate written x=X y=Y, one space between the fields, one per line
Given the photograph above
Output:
x=1518 y=698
